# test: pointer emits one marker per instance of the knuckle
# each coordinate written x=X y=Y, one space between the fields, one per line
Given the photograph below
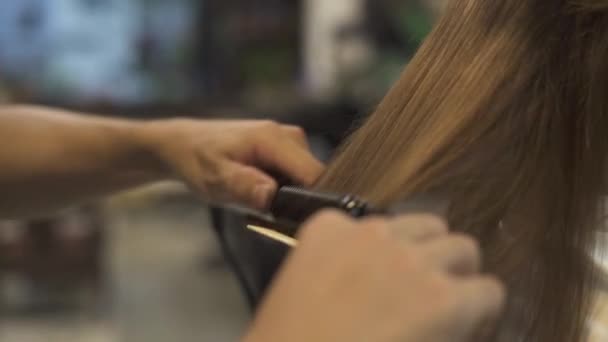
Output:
x=298 y=131
x=269 y=126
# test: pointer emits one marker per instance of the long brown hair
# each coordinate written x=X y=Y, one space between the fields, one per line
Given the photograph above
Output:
x=504 y=111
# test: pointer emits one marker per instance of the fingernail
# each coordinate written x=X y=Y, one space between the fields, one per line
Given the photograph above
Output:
x=262 y=194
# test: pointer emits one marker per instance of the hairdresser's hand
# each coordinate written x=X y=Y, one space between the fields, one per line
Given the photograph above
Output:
x=405 y=280
x=224 y=160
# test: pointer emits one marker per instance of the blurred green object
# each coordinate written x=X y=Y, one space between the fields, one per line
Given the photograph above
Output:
x=415 y=20
x=269 y=65
x=410 y=21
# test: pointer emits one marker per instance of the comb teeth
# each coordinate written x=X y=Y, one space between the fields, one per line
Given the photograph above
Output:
x=297 y=204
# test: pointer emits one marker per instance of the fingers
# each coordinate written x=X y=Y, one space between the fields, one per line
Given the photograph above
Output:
x=453 y=253
x=248 y=185
x=418 y=227
x=456 y=254
x=297 y=134
x=481 y=299
x=224 y=161
x=289 y=156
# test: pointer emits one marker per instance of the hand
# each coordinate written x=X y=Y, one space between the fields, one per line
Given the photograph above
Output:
x=378 y=280
x=225 y=160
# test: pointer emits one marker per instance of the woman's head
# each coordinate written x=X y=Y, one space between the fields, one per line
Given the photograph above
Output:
x=503 y=111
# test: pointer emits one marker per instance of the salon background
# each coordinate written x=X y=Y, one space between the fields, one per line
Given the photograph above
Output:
x=145 y=265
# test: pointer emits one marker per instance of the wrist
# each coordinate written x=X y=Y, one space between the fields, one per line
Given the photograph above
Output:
x=148 y=139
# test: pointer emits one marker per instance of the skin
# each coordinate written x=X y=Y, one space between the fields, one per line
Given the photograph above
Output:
x=52 y=159
x=405 y=279
x=401 y=280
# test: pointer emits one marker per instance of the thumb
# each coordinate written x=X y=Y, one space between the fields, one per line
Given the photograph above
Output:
x=249 y=186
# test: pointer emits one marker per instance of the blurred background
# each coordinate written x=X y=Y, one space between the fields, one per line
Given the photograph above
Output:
x=146 y=265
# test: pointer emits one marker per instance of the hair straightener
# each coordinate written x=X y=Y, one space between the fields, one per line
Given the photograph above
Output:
x=292 y=206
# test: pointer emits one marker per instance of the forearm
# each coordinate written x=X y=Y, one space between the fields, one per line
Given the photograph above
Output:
x=51 y=159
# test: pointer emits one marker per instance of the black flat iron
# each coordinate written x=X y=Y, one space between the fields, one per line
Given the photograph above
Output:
x=292 y=206
x=255 y=244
